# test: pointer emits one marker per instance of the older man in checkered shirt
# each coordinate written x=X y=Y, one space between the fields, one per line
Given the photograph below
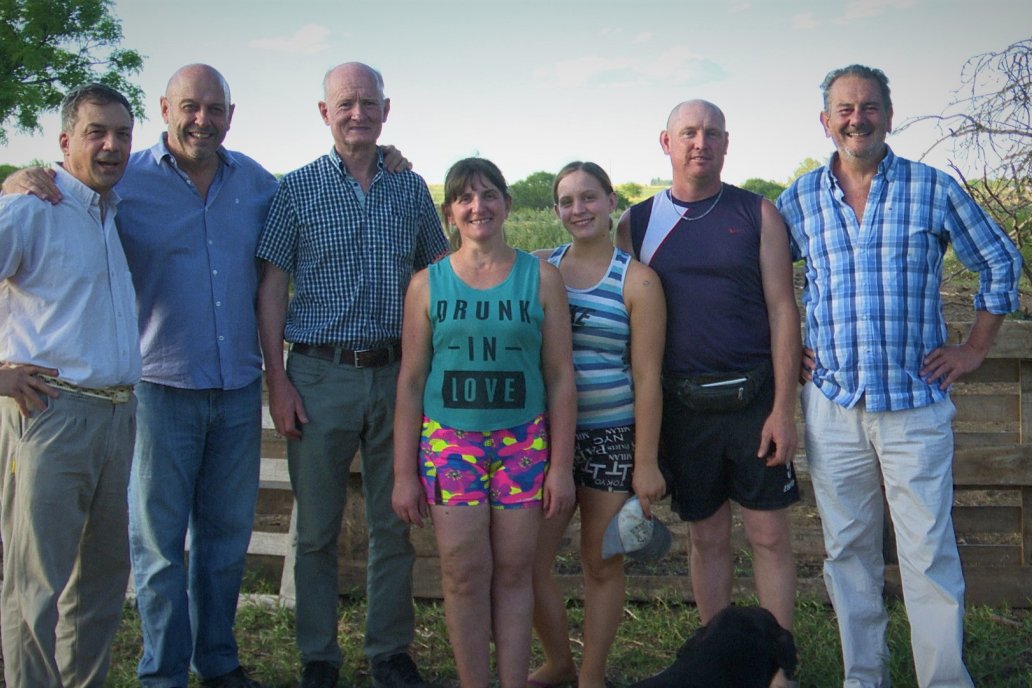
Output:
x=350 y=235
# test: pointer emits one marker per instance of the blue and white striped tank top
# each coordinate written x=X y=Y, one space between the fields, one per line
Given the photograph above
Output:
x=601 y=347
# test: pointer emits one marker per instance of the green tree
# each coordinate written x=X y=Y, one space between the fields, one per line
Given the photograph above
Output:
x=49 y=46
x=534 y=192
x=7 y=170
x=630 y=190
x=807 y=165
x=764 y=187
x=623 y=202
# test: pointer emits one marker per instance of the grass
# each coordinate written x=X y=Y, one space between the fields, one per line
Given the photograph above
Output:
x=998 y=646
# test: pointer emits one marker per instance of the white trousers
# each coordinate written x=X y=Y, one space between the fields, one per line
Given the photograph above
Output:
x=851 y=452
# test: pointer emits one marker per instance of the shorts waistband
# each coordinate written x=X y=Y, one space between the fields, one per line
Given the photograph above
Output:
x=119 y=394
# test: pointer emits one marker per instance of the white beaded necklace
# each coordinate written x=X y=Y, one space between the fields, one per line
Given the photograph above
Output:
x=684 y=213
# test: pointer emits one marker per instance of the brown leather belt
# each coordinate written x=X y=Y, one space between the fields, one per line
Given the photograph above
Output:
x=366 y=358
x=118 y=394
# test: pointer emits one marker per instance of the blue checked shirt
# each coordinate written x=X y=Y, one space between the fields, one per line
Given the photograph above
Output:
x=872 y=301
x=351 y=258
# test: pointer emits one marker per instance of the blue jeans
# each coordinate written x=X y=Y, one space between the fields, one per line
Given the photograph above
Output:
x=196 y=465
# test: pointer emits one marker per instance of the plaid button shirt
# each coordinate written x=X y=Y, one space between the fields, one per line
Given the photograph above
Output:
x=351 y=260
x=872 y=301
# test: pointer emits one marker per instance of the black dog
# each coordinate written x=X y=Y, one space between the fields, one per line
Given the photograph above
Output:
x=741 y=647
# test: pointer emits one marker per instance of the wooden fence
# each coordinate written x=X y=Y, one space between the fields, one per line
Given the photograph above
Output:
x=992 y=511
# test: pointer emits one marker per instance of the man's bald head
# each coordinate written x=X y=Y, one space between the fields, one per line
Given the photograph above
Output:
x=192 y=73
x=352 y=72
x=198 y=111
x=695 y=105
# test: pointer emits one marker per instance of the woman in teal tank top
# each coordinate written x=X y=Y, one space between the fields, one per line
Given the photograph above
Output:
x=618 y=315
x=486 y=368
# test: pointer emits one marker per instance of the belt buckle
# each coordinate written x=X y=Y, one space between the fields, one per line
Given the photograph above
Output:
x=356 y=357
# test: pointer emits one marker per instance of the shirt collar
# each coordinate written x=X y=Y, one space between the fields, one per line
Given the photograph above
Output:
x=886 y=167
x=70 y=186
x=160 y=151
x=339 y=162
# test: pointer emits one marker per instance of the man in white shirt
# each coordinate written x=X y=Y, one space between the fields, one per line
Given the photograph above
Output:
x=70 y=349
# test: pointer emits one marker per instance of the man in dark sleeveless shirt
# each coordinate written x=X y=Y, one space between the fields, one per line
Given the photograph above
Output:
x=723 y=256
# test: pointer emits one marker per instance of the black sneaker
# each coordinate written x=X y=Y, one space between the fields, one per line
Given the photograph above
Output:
x=237 y=678
x=397 y=671
x=319 y=675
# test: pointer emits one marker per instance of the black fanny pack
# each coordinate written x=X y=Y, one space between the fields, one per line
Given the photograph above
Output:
x=719 y=393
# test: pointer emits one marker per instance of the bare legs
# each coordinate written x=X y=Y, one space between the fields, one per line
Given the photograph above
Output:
x=769 y=537
x=549 y=608
x=486 y=557
x=603 y=593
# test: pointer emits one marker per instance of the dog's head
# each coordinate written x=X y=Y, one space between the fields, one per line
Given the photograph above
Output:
x=745 y=644
x=741 y=647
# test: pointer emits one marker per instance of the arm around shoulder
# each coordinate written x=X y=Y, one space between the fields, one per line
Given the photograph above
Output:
x=38 y=181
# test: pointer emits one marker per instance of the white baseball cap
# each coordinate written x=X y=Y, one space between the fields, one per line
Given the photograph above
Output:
x=631 y=534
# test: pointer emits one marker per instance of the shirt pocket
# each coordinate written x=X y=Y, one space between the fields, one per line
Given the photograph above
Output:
x=913 y=238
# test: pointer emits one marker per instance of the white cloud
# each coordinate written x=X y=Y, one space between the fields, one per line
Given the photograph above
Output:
x=853 y=11
x=308 y=40
x=806 y=20
x=864 y=9
x=580 y=71
x=643 y=37
x=739 y=7
x=677 y=66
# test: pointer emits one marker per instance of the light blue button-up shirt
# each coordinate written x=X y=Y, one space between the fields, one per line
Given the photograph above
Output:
x=872 y=293
x=66 y=299
x=193 y=266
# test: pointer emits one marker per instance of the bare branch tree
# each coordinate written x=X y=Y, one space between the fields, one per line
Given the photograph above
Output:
x=989 y=125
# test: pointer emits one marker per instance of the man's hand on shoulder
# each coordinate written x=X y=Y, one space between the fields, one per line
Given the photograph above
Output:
x=393 y=160
x=38 y=181
x=20 y=382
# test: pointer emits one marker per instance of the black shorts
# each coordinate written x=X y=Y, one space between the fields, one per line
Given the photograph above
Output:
x=603 y=459
x=708 y=458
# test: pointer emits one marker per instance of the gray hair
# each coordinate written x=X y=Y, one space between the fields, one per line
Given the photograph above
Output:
x=871 y=73
x=377 y=77
x=97 y=93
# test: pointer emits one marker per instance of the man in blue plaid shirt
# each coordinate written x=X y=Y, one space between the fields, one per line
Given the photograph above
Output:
x=872 y=229
x=351 y=235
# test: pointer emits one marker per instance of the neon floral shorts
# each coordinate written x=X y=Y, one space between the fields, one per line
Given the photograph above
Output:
x=503 y=468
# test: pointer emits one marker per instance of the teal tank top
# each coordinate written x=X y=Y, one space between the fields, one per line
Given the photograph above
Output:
x=485 y=373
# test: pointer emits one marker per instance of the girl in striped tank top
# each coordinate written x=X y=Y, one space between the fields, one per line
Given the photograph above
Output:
x=611 y=296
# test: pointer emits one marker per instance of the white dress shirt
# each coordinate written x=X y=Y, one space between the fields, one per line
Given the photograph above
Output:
x=66 y=296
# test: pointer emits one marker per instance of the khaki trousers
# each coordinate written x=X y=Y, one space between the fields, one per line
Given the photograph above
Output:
x=64 y=523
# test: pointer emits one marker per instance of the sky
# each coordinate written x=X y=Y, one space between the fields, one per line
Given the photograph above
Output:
x=534 y=84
